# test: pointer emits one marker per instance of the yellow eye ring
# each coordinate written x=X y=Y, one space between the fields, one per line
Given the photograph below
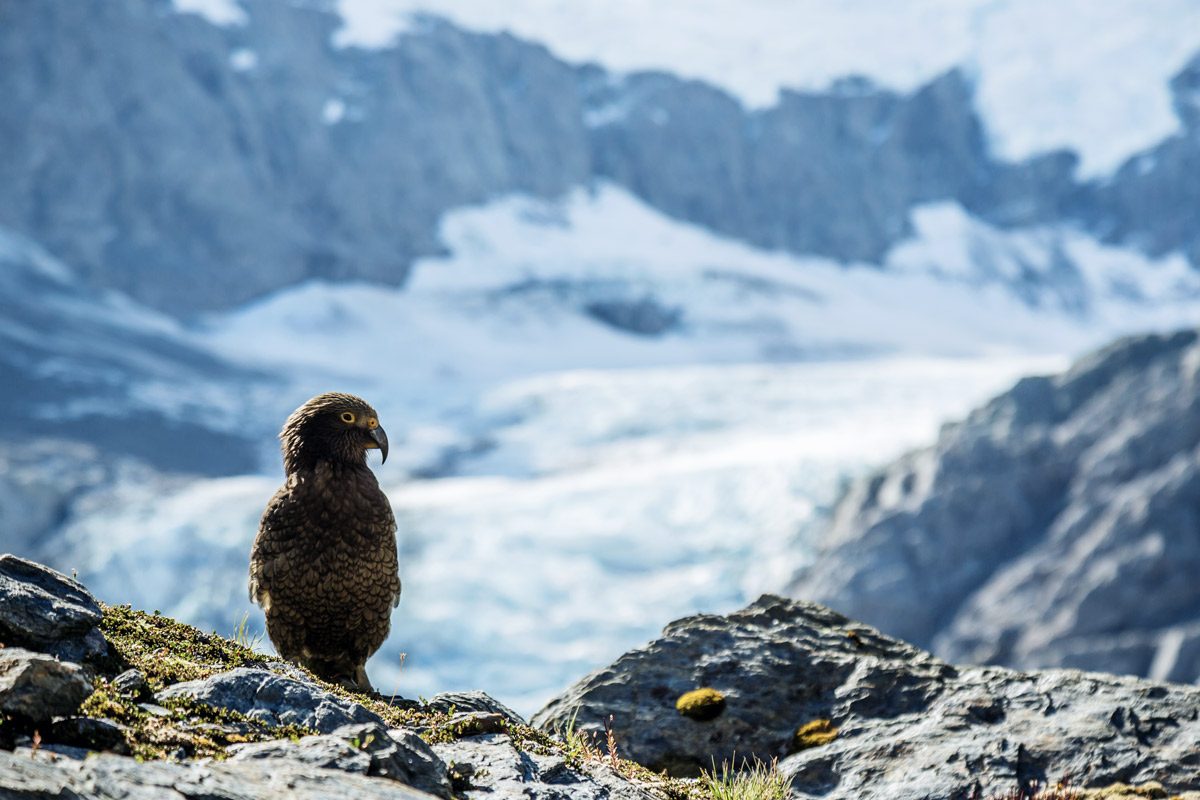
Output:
x=348 y=417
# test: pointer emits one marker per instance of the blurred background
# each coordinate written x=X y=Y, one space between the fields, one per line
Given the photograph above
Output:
x=640 y=290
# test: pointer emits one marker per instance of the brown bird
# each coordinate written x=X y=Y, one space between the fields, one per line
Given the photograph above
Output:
x=323 y=566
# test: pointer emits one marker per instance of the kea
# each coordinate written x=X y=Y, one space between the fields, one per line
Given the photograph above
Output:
x=323 y=566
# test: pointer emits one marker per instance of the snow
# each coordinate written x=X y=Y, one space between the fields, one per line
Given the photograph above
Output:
x=218 y=12
x=333 y=111
x=243 y=60
x=1068 y=73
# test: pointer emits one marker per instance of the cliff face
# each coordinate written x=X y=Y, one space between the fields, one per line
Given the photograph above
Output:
x=196 y=167
x=1059 y=525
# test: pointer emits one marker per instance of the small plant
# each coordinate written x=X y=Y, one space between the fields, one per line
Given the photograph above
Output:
x=580 y=745
x=37 y=743
x=362 y=744
x=610 y=741
x=1059 y=791
x=757 y=782
x=702 y=704
x=242 y=635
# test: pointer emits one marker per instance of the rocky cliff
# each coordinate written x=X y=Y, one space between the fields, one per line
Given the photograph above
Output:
x=1059 y=525
x=111 y=702
x=195 y=166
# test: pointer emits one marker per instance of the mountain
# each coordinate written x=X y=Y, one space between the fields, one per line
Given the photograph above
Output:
x=254 y=156
x=95 y=367
x=1054 y=526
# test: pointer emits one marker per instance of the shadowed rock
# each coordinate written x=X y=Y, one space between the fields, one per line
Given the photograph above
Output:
x=45 y=610
x=457 y=702
x=38 y=687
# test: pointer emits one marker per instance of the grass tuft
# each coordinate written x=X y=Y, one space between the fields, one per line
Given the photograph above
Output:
x=758 y=781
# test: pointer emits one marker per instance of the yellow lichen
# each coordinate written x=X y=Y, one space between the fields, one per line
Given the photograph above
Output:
x=702 y=704
x=814 y=734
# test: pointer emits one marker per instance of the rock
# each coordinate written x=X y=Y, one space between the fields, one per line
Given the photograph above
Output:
x=400 y=755
x=131 y=682
x=364 y=749
x=107 y=775
x=643 y=317
x=477 y=723
x=38 y=687
x=855 y=714
x=1054 y=527
x=326 y=752
x=273 y=699
x=45 y=610
x=88 y=734
x=491 y=767
x=455 y=702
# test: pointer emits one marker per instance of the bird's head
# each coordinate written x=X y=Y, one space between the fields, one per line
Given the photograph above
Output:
x=331 y=427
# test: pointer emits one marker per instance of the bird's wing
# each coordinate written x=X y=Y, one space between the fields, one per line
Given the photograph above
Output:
x=281 y=518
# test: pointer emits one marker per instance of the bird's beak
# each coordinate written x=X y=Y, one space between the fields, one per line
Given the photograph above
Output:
x=380 y=439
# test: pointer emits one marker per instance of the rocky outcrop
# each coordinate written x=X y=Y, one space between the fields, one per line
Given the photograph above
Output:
x=1055 y=526
x=852 y=713
x=242 y=726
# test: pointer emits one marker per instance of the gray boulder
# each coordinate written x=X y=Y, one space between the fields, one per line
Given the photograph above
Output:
x=1054 y=527
x=45 y=610
x=273 y=699
x=855 y=714
x=491 y=767
x=38 y=687
x=116 y=776
x=364 y=749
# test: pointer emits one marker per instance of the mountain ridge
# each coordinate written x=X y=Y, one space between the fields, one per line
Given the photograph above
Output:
x=219 y=176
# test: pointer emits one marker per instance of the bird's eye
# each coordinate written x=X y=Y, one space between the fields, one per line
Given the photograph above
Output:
x=348 y=417
x=372 y=423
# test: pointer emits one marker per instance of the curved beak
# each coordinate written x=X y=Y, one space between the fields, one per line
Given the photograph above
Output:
x=380 y=439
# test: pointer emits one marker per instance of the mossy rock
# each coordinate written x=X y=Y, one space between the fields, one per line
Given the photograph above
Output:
x=702 y=704
x=813 y=734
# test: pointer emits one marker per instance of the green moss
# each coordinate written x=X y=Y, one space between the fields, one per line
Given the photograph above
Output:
x=702 y=704
x=189 y=729
x=167 y=651
x=813 y=734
